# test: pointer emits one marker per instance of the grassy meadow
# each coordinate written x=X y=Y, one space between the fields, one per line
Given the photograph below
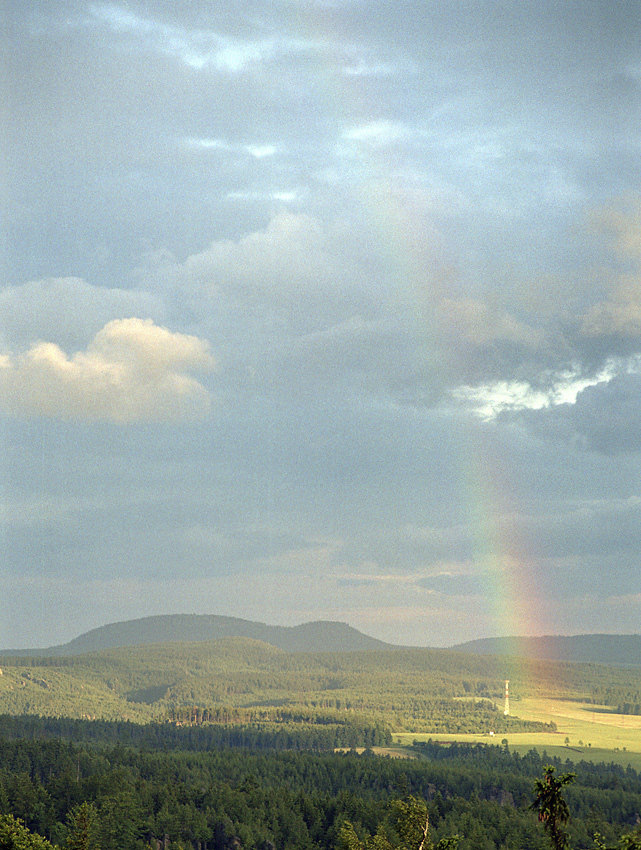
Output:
x=596 y=732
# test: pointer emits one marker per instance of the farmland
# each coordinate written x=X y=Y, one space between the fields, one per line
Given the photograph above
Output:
x=596 y=733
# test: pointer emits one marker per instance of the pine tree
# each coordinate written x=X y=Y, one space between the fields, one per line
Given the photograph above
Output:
x=551 y=807
x=83 y=827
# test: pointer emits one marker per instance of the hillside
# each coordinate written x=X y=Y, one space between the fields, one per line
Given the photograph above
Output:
x=417 y=689
x=148 y=681
x=614 y=650
x=308 y=637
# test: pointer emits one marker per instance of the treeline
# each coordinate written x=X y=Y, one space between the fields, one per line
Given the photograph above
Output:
x=629 y=708
x=624 y=698
x=246 y=800
x=442 y=715
x=315 y=737
x=271 y=728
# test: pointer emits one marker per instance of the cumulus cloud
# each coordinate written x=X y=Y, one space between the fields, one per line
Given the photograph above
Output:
x=325 y=302
x=297 y=275
x=133 y=370
x=292 y=252
x=68 y=310
x=567 y=357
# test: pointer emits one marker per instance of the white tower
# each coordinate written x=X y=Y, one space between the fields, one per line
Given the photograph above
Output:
x=506 y=710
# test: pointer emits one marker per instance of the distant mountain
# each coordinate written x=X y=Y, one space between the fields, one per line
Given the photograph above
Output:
x=614 y=650
x=321 y=636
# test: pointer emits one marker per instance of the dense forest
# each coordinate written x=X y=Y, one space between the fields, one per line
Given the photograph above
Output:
x=238 y=799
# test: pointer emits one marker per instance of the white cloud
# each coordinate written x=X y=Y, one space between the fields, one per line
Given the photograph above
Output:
x=133 y=370
x=261 y=151
x=488 y=400
x=293 y=257
x=258 y=151
x=284 y=196
x=207 y=144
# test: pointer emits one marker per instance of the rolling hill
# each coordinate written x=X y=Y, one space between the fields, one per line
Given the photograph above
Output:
x=323 y=635
x=332 y=636
x=613 y=650
x=149 y=681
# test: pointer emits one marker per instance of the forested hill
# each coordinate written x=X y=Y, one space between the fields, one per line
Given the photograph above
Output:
x=330 y=636
x=325 y=636
x=613 y=650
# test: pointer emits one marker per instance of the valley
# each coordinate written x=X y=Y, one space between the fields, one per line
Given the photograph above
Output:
x=413 y=693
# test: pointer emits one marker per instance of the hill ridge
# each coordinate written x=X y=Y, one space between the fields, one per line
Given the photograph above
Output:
x=315 y=636
x=594 y=648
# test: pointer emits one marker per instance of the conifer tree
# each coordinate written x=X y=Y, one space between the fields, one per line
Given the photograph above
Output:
x=551 y=807
x=82 y=825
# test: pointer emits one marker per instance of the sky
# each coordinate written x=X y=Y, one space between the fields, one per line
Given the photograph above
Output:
x=321 y=310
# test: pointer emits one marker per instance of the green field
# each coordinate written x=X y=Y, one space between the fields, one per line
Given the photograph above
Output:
x=596 y=733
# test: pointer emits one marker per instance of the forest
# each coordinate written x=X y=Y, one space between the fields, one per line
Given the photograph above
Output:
x=406 y=689
x=234 y=744
x=131 y=798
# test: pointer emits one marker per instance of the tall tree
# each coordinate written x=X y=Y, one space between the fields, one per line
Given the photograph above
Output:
x=82 y=823
x=551 y=807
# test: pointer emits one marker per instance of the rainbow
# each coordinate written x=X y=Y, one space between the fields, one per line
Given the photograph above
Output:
x=511 y=586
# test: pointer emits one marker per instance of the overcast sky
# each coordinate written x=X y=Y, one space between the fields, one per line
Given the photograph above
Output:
x=322 y=309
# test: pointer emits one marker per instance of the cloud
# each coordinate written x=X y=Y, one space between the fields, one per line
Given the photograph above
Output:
x=289 y=252
x=551 y=356
x=476 y=324
x=196 y=48
x=622 y=223
x=620 y=316
x=68 y=310
x=452 y=584
x=617 y=318
x=377 y=133
x=296 y=267
x=605 y=418
x=487 y=401
x=258 y=151
x=132 y=371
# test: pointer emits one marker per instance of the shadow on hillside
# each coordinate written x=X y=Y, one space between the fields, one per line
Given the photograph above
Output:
x=591 y=709
x=148 y=696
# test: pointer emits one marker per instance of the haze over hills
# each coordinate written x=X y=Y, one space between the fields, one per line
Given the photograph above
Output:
x=618 y=650
x=320 y=636
x=332 y=636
